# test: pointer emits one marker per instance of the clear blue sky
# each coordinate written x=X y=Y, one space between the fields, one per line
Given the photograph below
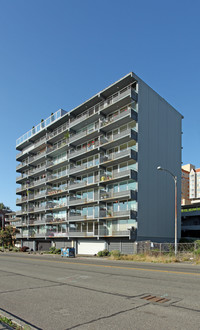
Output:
x=57 y=53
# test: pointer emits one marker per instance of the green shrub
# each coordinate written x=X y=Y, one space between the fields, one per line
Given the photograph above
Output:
x=105 y=253
x=53 y=250
x=15 y=249
x=197 y=244
x=100 y=254
x=115 y=253
x=58 y=251
x=197 y=252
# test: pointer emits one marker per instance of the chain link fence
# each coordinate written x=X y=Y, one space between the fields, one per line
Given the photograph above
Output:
x=155 y=249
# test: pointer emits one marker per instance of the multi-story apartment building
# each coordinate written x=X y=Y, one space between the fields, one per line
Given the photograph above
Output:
x=185 y=183
x=190 y=184
x=89 y=176
x=12 y=220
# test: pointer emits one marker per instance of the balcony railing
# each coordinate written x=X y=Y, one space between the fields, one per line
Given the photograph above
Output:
x=80 y=234
x=57 y=146
x=77 y=185
x=55 y=191
x=116 y=137
x=55 y=177
x=36 y=183
x=76 y=153
x=110 y=214
x=36 y=157
x=116 y=97
x=102 y=105
x=111 y=194
x=24 y=163
x=77 y=201
x=58 y=131
x=40 y=141
x=36 y=170
x=22 y=176
x=108 y=121
x=117 y=155
x=74 y=217
x=54 y=117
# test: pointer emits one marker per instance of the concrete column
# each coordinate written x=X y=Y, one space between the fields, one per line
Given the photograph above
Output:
x=34 y=246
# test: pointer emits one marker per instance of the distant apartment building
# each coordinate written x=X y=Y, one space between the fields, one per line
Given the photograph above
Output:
x=89 y=179
x=190 y=184
x=190 y=201
x=185 y=183
x=3 y=212
x=12 y=220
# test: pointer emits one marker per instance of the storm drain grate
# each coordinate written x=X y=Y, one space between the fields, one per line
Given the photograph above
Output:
x=155 y=299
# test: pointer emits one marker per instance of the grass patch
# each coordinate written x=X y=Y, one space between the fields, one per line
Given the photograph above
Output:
x=10 y=323
x=162 y=258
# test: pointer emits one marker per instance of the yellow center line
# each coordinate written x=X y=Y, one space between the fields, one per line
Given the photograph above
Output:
x=115 y=267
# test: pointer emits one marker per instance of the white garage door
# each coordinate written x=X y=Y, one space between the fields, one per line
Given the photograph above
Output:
x=90 y=247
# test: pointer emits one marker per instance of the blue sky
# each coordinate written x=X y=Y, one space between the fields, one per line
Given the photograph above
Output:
x=57 y=53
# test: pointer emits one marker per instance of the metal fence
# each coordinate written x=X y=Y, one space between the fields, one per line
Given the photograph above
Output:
x=155 y=249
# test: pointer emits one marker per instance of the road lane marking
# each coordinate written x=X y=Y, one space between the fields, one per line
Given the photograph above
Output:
x=115 y=267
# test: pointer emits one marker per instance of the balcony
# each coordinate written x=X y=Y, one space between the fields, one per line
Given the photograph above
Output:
x=89 y=150
x=100 y=232
x=53 y=136
x=122 y=156
x=119 y=214
x=82 y=169
x=31 y=134
x=79 y=217
x=57 y=148
x=22 y=178
x=91 y=115
x=37 y=170
x=77 y=185
x=117 y=176
x=24 y=164
x=124 y=117
x=52 y=205
x=103 y=231
x=57 y=177
x=33 y=159
x=84 y=136
x=123 y=97
x=80 y=234
x=40 y=208
x=51 y=192
x=54 y=165
x=21 y=200
x=37 y=196
x=79 y=201
x=129 y=194
x=37 y=183
x=117 y=139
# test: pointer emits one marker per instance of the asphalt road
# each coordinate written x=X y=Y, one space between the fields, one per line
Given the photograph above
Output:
x=48 y=292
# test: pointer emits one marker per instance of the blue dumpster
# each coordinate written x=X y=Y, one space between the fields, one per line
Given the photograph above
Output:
x=68 y=252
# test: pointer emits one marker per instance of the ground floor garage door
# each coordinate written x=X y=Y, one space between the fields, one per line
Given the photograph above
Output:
x=44 y=246
x=90 y=247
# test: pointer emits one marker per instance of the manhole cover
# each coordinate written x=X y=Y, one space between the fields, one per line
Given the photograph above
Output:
x=155 y=299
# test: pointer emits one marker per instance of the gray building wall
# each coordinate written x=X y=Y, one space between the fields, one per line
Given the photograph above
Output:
x=159 y=144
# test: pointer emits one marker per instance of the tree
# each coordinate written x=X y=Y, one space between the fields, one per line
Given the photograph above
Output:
x=7 y=236
x=4 y=207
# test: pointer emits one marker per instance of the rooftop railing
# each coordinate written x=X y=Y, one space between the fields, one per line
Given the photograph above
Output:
x=54 y=117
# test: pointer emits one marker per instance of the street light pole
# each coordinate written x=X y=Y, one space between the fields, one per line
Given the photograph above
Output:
x=175 y=184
